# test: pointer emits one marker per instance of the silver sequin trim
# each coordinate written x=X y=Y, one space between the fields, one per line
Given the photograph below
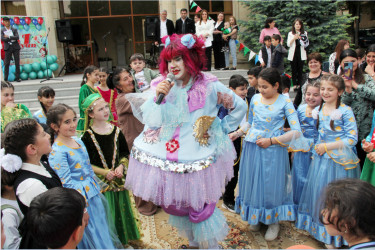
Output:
x=171 y=166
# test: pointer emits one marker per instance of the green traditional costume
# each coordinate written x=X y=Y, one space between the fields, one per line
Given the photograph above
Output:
x=108 y=151
x=84 y=92
x=9 y=114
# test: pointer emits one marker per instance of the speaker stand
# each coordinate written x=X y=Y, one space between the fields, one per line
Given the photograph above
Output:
x=68 y=63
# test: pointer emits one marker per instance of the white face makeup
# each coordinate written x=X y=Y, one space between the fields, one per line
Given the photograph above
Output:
x=177 y=67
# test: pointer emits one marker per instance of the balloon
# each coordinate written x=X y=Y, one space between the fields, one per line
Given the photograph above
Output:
x=35 y=22
x=11 y=21
x=50 y=59
x=54 y=66
x=2 y=62
x=21 y=68
x=40 y=20
x=24 y=76
x=11 y=77
x=36 y=66
x=38 y=27
x=16 y=20
x=12 y=68
x=49 y=72
x=15 y=26
x=27 y=68
x=26 y=27
x=40 y=74
x=27 y=20
x=20 y=27
x=22 y=21
x=32 y=75
x=54 y=58
x=43 y=65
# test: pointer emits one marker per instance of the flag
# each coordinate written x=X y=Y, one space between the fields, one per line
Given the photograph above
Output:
x=190 y=1
x=252 y=54
x=198 y=9
x=241 y=47
x=209 y=18
x=245 y=51
x=193 y=5
x=256 y=59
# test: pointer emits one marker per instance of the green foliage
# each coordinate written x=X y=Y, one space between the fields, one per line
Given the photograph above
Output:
x=321 y=21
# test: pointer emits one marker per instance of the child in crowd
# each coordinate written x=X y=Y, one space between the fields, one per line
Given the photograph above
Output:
x=368 y=173
x=252 y=76
x=265 y=53
x=11 y=111
x=302 y=160
x=12 y=215
x=278 y=54
x=58 y=218
x=109 y=95
x=361 y=55
x=90 y=77
x=142 y=76
x=348 y=212
x=238 y=85
x=333 y=156
x=285 y=85
x=265 y=192
x=226 y=30
x=108 y=152
x=46 y=97
x=25 y=142
x=71 y=163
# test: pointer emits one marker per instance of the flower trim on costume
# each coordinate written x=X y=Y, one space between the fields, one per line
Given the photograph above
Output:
x=172 y=145
x=151 y=136
x=171 y=166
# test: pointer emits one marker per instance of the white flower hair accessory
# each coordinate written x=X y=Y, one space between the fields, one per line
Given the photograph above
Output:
x=315 y=113
x=336 y=115
x=10 y=162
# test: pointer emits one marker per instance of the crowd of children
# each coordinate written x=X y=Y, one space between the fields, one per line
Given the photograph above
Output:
x=181 y=156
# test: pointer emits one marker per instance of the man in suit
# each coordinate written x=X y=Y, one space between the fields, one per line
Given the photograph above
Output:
x=11 y=47
x=185 y=25
x=163 y=28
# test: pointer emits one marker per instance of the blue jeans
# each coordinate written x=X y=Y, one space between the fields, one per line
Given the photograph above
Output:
x=232 y=49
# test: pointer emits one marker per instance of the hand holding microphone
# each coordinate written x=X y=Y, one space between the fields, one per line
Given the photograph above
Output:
x=164 y=87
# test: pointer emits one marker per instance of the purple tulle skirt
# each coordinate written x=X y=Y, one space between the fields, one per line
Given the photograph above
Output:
x=182 y=190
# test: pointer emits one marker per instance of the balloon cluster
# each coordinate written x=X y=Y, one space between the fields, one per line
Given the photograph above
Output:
x=24 y=23
x=34 y=70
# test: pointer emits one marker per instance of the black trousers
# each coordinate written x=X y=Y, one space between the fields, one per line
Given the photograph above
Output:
x=209 y=58
x=228 y=196
x=8 y=56
x=218 y=54
x=297 y=68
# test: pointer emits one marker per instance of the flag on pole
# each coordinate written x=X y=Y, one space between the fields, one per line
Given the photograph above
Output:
x=241 y=47
x=198 y=9
x=193 y=5
x=190 y=1
x=252 y=54
x=245 y=51
x=256 y=59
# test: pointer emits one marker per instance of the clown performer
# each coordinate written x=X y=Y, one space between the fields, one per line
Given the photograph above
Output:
x=183 y=158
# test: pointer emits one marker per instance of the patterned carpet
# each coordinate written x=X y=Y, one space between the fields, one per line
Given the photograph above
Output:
x=157 y=234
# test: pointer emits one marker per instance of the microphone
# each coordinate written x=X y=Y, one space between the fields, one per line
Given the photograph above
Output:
x=170 y=78
x=109 y=32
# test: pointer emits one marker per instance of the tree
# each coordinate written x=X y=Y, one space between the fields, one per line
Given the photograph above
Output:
x=325 y=27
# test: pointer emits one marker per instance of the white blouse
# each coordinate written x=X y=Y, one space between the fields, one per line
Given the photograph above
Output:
x=203 y=29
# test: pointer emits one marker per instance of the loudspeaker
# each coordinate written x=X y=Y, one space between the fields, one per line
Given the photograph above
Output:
x=64 y=31
x=150 y=26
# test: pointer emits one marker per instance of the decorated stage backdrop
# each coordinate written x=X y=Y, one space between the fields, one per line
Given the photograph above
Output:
x=32 y=32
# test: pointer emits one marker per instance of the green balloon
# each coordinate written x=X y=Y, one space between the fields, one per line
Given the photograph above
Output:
x=32 y=75
x=50 y=60
x=49 y=72
x=36 y=66
x=24 y=76
x=21 y=68
x=43 y=65
x=27 y=68
x=40 y=74
x=54 y=58
x=54 y=66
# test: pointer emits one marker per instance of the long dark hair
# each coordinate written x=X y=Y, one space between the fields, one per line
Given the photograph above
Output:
x=47 y=92
x=200 y=16
x=340 y=47
x=88 y=70
x=354 y=202
x=302 y=30
x=339 y=83
x=358 y=74
x=268 y=21
x=113 y=79
x=55 y=115
x=272 y=76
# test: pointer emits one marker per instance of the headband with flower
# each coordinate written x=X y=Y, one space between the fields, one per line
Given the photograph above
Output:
x=187 y=40
x=10 y=162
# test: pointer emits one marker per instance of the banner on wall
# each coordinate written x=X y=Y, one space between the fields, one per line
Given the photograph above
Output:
x=33 y=34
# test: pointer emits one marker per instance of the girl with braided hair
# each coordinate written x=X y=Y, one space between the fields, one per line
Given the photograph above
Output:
x=46 y=98
x=333 y=156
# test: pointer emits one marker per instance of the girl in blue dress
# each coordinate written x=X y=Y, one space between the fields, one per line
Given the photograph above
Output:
x=302 y=160
x=333 y=157
x=46 y=98
x=71 y=162
x=265 y=186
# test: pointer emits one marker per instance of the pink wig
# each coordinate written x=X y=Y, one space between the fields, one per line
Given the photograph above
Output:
x=194 y=58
